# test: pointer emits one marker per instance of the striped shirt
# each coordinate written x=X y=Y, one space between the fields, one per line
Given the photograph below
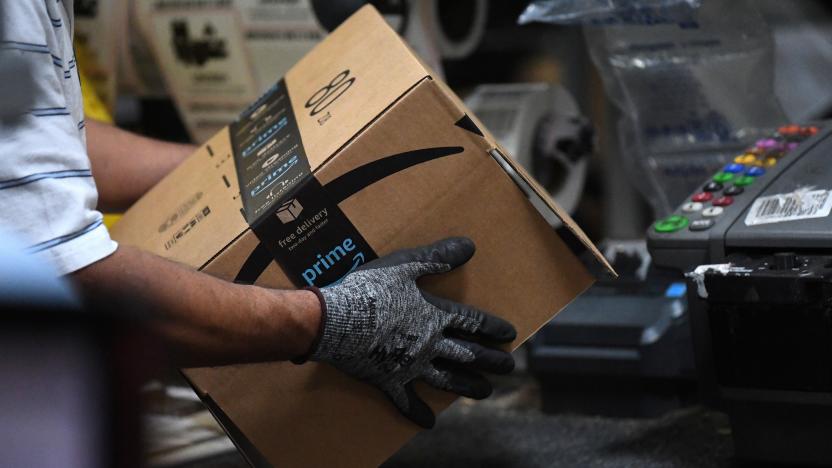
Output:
x=47 y=194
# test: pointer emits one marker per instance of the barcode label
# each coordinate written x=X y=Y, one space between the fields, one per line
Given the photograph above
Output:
x=789 y=207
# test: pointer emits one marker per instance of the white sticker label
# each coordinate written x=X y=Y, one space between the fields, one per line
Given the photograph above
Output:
x=800 y=204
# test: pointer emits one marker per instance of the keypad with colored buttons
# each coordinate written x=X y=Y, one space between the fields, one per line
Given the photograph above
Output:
x=705 y=207
x=737 y=206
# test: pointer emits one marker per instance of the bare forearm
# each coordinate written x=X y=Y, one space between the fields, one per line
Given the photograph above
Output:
x=126 y=165
x=208 y=321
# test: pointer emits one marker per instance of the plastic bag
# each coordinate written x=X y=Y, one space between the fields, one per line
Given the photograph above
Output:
x=610 y=12
x=691 y=94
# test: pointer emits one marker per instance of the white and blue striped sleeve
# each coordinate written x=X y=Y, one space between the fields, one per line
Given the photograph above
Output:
x=47 y=193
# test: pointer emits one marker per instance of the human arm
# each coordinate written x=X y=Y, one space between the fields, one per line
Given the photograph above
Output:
x=375 y=325
x=125 y=165
x=205 y=320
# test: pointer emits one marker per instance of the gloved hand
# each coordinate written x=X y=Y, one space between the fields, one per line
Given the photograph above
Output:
x=378 y=326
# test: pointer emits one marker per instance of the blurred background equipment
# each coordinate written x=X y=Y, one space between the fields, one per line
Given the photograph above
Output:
x=803 y=56
x=457 y=26
x=225 y=54
x=673 y=69
x=98 y=30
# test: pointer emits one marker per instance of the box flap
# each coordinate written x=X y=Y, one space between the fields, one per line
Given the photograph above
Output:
x=567 y=220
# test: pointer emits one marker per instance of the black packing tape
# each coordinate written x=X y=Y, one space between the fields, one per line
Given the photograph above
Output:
x=284 y=204
x=268 y=153
x=312 y=239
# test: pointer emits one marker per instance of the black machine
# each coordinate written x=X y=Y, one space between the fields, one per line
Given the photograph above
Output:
x=621 y=349
x=756 y=242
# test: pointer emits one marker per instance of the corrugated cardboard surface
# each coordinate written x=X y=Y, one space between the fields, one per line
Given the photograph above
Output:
x=312 y=415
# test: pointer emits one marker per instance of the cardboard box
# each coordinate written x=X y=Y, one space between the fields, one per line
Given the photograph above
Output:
x=357 y=152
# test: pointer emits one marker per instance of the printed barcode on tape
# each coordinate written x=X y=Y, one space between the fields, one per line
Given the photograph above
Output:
x=800 y=204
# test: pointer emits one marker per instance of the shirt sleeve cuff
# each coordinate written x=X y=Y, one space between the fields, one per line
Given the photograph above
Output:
x=81 y=251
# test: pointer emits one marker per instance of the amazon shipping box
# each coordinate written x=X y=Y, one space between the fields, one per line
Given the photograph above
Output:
x=358 y=151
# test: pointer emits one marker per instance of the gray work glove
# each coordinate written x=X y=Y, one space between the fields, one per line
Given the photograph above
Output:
x=379 y=327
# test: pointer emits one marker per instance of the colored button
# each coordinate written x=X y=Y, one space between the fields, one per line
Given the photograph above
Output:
x=755 y=171
x=712 y=211
x=672 y=223
x=751 y=155
x=722 y=201
x=723 y=177
x=745 y=158
x=733 y=190
x=733 y=168
x=769 y=162
x=702 y=196
x=712 y=187
x=691 y=207
x=767 y=143
x=744 y=181
x=787 y=129
x=792 y=146
x=676 y=290
x=701 y=224
x=808 y=131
